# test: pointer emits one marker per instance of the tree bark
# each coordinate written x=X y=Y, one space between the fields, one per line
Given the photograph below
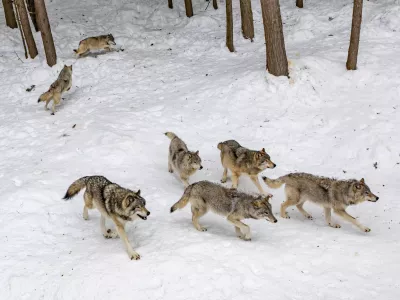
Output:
x=247 y=19
x=20 y=30
x=47 y=37
x=299 y=3
x=229 y=26
x=277 y=63
x=9 y=14
x=170 y=4
x=26 y=28
x=215 y=4
x=32 y=12
x=189 y=8
x=351 y=63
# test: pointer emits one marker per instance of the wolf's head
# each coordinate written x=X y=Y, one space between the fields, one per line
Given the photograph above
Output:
x=193 y=160
x=361 y=192
x=69 y=68
x=263 y=160
x=262 y=209
x=110 y=39
x=135 y=205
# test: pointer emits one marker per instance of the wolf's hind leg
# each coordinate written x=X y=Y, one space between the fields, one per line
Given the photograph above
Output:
x=107 y=233
x=303 y=211
x=197 y=213
x=88 y=205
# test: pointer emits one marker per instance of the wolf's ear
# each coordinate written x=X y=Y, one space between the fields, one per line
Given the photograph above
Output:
x=197 y=152
x=262 y=150
x=127 y=201
x=362 y=181
x=138 y=193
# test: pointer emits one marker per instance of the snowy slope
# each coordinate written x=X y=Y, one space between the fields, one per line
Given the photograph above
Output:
x=176 y=74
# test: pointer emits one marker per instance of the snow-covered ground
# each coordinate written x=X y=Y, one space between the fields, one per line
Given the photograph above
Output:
x=176 y=74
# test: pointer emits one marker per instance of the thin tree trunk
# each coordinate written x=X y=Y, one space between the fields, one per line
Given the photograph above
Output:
x=229 y=26
x=20 y=30
x=277 y=63
x=9 y=14
x=189 y=8
x=351 y=63
x=247 y=19
x=299 y=3
x=32 y=12
x=47 y=37
x=170 y=4
x=26 y=27
x=215 y=4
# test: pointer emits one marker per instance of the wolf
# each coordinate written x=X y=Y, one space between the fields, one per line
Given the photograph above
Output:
x=113 y=201
x=330 y=193
x=61 y=85
x=101 y=42
x=181 y=160
x=231 y=203
x=241 y=160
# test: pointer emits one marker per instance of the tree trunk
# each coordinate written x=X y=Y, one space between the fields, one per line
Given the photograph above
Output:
x=277 y=63
x=47 y=37
x=215 y=4
x=247 y=19
x=189 y=8
x=229 y=26
x=170 y=4
x=299 y=3
x=351 y=63
x=32 y=12
x=26 y=28
x=20 y=30
x=9 y=14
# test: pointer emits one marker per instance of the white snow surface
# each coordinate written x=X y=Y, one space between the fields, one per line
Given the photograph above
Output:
x=177 y=75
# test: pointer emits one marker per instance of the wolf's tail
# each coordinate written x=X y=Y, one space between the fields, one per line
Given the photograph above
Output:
x=184 y=199
x=75 y=187
x=171 y=135
x=274 y=183
x=46 y=96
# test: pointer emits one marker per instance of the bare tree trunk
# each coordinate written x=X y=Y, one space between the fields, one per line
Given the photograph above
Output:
x=32 y=12
x=26 y=27
x=215 y=4
x=229 y=26
x=20 y=30
x=170 y=4
x=189 y=8
x=351 y=63
x=9 y=14
x=247 y=19
x=299 y=3
x=277 y=63
x=47 y=37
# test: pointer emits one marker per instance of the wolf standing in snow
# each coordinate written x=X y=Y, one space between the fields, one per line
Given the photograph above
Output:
x=233 y=204
x=330 y=193
x=61 y=85
x=181 y=160
x=102 y=42
x=117 y=203
x=241 y=160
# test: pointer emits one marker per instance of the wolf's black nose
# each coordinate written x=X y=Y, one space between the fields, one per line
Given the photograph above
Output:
x=148 y=213
x=274 y=166
x=377 y=198
x=275 y=221
x=201 y=167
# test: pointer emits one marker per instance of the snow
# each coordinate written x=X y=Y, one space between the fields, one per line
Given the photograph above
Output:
x=177 y=75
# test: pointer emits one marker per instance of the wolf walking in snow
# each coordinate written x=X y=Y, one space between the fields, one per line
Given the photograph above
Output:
x=231 y=203
x=61 y=85
x=181 y=160
x=101 y=42
x=330 y=193
x=113 y=201
x=240 y=160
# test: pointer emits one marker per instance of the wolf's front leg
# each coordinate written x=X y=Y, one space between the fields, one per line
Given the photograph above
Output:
x=122 y=234
x=243 y=228
x=256 y=182
x=347 y=217
x=328 y=218
x=224 y=175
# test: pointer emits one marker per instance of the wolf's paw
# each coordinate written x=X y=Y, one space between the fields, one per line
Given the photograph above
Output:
x=223 y=180
x=110 y=234
x=285 y=216
x=366 y=229
x=335 y=225
x=309 y=217
x=170 y=170
x=202 y=229
x=134 y=256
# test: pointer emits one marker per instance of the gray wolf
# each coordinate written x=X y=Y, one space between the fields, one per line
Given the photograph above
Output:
x=181 y=160
x=101 y=42
x=61 y=85
x=231 y=203
x=240 y=160
x=113 y=201
x=330 y=193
